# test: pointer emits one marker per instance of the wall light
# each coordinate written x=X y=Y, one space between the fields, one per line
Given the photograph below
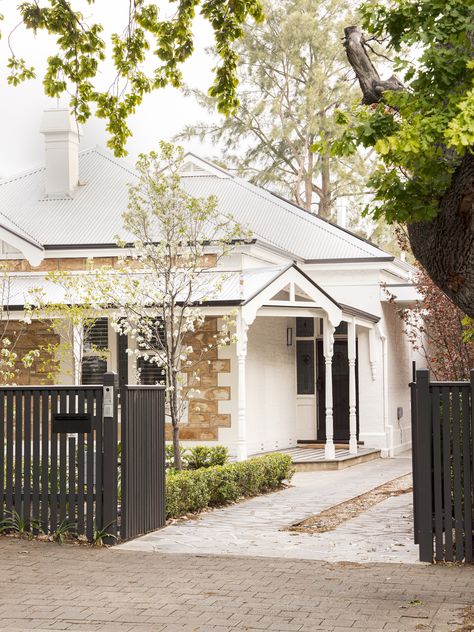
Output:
x=289 y=336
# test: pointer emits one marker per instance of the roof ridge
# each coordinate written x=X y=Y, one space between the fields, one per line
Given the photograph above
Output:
x=21 y=175
x=104 y=153
x=307 y=217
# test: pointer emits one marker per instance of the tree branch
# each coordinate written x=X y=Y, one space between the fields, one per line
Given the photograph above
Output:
x=371 y=84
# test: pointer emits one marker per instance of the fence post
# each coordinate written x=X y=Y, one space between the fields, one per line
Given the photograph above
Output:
x=414 y=459
x=110 y=467
x=424 y=495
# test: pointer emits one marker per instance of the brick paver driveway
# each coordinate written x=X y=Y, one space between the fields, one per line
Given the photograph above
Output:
x=51 y=587
x=257 y=527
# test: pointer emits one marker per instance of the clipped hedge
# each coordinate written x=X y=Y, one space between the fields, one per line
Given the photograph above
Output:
x=190 y=491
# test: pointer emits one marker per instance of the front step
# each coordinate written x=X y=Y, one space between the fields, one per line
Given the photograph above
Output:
x=337 y=464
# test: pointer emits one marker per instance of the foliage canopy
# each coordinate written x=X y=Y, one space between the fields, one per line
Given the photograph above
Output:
x=293 y=75
x=150 y=38
x=422 y=132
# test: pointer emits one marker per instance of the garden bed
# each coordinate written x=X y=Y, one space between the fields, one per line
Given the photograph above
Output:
x=331 y=518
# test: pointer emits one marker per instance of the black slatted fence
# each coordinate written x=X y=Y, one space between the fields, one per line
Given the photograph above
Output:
x=143 y=454
x=59 y=467
x=443 y=472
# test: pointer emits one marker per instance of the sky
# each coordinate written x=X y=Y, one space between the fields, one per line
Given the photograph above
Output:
x=162 y=114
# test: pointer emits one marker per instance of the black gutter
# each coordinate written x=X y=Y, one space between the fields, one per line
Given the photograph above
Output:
x=353 y=260
x=353 y=311
x=129 y=245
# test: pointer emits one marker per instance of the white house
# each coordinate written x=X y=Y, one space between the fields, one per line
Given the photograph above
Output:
x=321 y=355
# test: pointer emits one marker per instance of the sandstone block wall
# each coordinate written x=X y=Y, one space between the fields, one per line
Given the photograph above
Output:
x=204 y=419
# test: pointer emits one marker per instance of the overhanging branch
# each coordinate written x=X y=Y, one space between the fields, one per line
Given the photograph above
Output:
x=371 y=84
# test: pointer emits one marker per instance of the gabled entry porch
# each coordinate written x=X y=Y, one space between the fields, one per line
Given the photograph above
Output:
x=322 y=349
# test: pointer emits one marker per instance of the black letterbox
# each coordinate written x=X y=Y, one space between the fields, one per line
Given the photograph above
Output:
x=72 y=422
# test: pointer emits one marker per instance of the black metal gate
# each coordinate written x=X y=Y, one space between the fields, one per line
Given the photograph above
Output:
x=59 y=467
x=143 y=461
x=443 y=468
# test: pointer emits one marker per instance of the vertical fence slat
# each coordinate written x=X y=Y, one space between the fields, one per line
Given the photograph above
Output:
x=36 y=456
x=9 y=454
x=456 y=475
x=467 y=478
x=447 y=486
x=18 y=420
x=72 y=482
x=90 y=397
x=2 y=455
x=437 y=476
x=63 y=400
x=98 y=460
x=80 y=468
x=53 y=522
x=27 y=457
x=45 y=428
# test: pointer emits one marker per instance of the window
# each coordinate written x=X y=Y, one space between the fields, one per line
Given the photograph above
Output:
x=96 y=342
x=93 y=369
x=150 y=373
x=304 y=327
x=305 y=367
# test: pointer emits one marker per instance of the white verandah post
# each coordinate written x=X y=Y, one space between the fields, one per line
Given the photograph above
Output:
x=242 y=328
x=352 y=356
x=328 y=350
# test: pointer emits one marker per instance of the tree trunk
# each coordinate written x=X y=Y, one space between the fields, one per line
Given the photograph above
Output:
x=325 y=202
x=178 y=464
x=444 y=245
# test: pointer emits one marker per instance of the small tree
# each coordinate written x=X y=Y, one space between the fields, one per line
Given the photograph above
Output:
x=159 y=288
x=11 y=333
x=439 y=331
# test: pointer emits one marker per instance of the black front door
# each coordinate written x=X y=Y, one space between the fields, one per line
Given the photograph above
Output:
x=340 y=377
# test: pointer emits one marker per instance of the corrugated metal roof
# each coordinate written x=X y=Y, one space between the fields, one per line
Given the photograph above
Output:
x=93 y=215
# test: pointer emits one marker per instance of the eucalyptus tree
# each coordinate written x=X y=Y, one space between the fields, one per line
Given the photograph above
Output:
x=293 y=77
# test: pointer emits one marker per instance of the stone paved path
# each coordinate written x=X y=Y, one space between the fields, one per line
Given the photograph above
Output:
x=255 y=527
x=46 y=587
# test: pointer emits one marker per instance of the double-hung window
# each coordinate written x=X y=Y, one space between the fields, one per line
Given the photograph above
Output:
x=96 y=343
x=149 y=371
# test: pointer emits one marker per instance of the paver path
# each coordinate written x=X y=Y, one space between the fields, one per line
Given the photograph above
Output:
x=255 y=527
x=51 y=587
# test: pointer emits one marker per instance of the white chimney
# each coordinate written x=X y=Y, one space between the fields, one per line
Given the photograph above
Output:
x=61 y=135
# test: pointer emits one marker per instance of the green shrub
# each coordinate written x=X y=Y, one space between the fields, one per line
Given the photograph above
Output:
x=191 y=491
x=186 y=492
x=197 y=457
x=205 y=456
